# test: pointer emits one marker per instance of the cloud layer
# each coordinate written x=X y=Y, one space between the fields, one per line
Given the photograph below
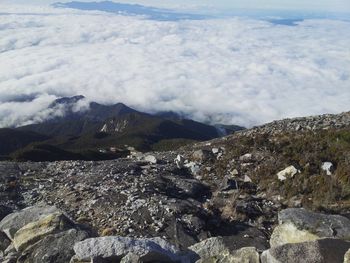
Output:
x=239 y=71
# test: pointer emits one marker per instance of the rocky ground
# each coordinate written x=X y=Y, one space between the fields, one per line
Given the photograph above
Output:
x=226 y=200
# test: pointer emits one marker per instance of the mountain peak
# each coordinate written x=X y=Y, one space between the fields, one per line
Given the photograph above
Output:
x=67 y=100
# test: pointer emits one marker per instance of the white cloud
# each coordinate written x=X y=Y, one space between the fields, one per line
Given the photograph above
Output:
x=234 y=71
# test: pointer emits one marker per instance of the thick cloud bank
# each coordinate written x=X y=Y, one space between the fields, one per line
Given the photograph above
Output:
x=237 y=70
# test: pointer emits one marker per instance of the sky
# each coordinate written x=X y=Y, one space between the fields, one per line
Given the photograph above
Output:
x=233 y=70
x=305 y=5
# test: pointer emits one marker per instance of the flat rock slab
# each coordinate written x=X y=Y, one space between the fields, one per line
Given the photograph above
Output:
x=34 y=231
x=56 y=248
x=322 y=225
x=13 y=222
x=289 y=233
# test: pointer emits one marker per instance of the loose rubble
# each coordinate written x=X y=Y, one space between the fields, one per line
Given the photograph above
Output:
x=214 y=201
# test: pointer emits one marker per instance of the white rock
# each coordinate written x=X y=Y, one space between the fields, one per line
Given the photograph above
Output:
x=215 y=150
x=247 y=179
x=179 y=161
x=246 y=157
x=234 y=172
x=327 y=167
x=290 y=171
x=151 y=159
x=194 y=167
x=220 y=154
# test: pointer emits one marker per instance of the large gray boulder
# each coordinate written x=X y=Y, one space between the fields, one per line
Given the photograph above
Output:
x=216 y=250
x=320 y=251
x=299 y=225
x=347 y=257
x=116 y=247
x=208 y=248
x=56 y=248
x=35 y=231
x=13 y=222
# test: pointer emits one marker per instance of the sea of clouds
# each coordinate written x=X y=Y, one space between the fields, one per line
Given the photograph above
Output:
x=233 y=71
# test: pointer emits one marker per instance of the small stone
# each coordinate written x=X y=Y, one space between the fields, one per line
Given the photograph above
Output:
x=215 y=150
x=290 y=171
x=246 y=157
x=151 y=159
x=179 y=161
x=234 y=172
x=202 y=155
x=194 y=168
x=247 y=179
x=327 y=167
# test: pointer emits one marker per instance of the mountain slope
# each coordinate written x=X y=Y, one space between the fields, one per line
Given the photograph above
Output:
x=12 y=139
x=312 y=153
x=78 y=126
x=141 y=131
x=76 y=121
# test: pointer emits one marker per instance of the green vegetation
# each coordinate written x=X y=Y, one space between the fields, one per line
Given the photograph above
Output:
x=11 y=139
x=306 y=151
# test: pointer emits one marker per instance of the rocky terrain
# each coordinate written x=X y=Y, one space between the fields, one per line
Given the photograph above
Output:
x=275 y=193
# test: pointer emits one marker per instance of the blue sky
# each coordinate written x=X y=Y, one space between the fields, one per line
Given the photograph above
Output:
x=306 y=5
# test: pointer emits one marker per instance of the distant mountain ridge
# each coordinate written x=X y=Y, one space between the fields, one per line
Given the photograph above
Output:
x=90 y=128
x=76 y=122
x=159 y=14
